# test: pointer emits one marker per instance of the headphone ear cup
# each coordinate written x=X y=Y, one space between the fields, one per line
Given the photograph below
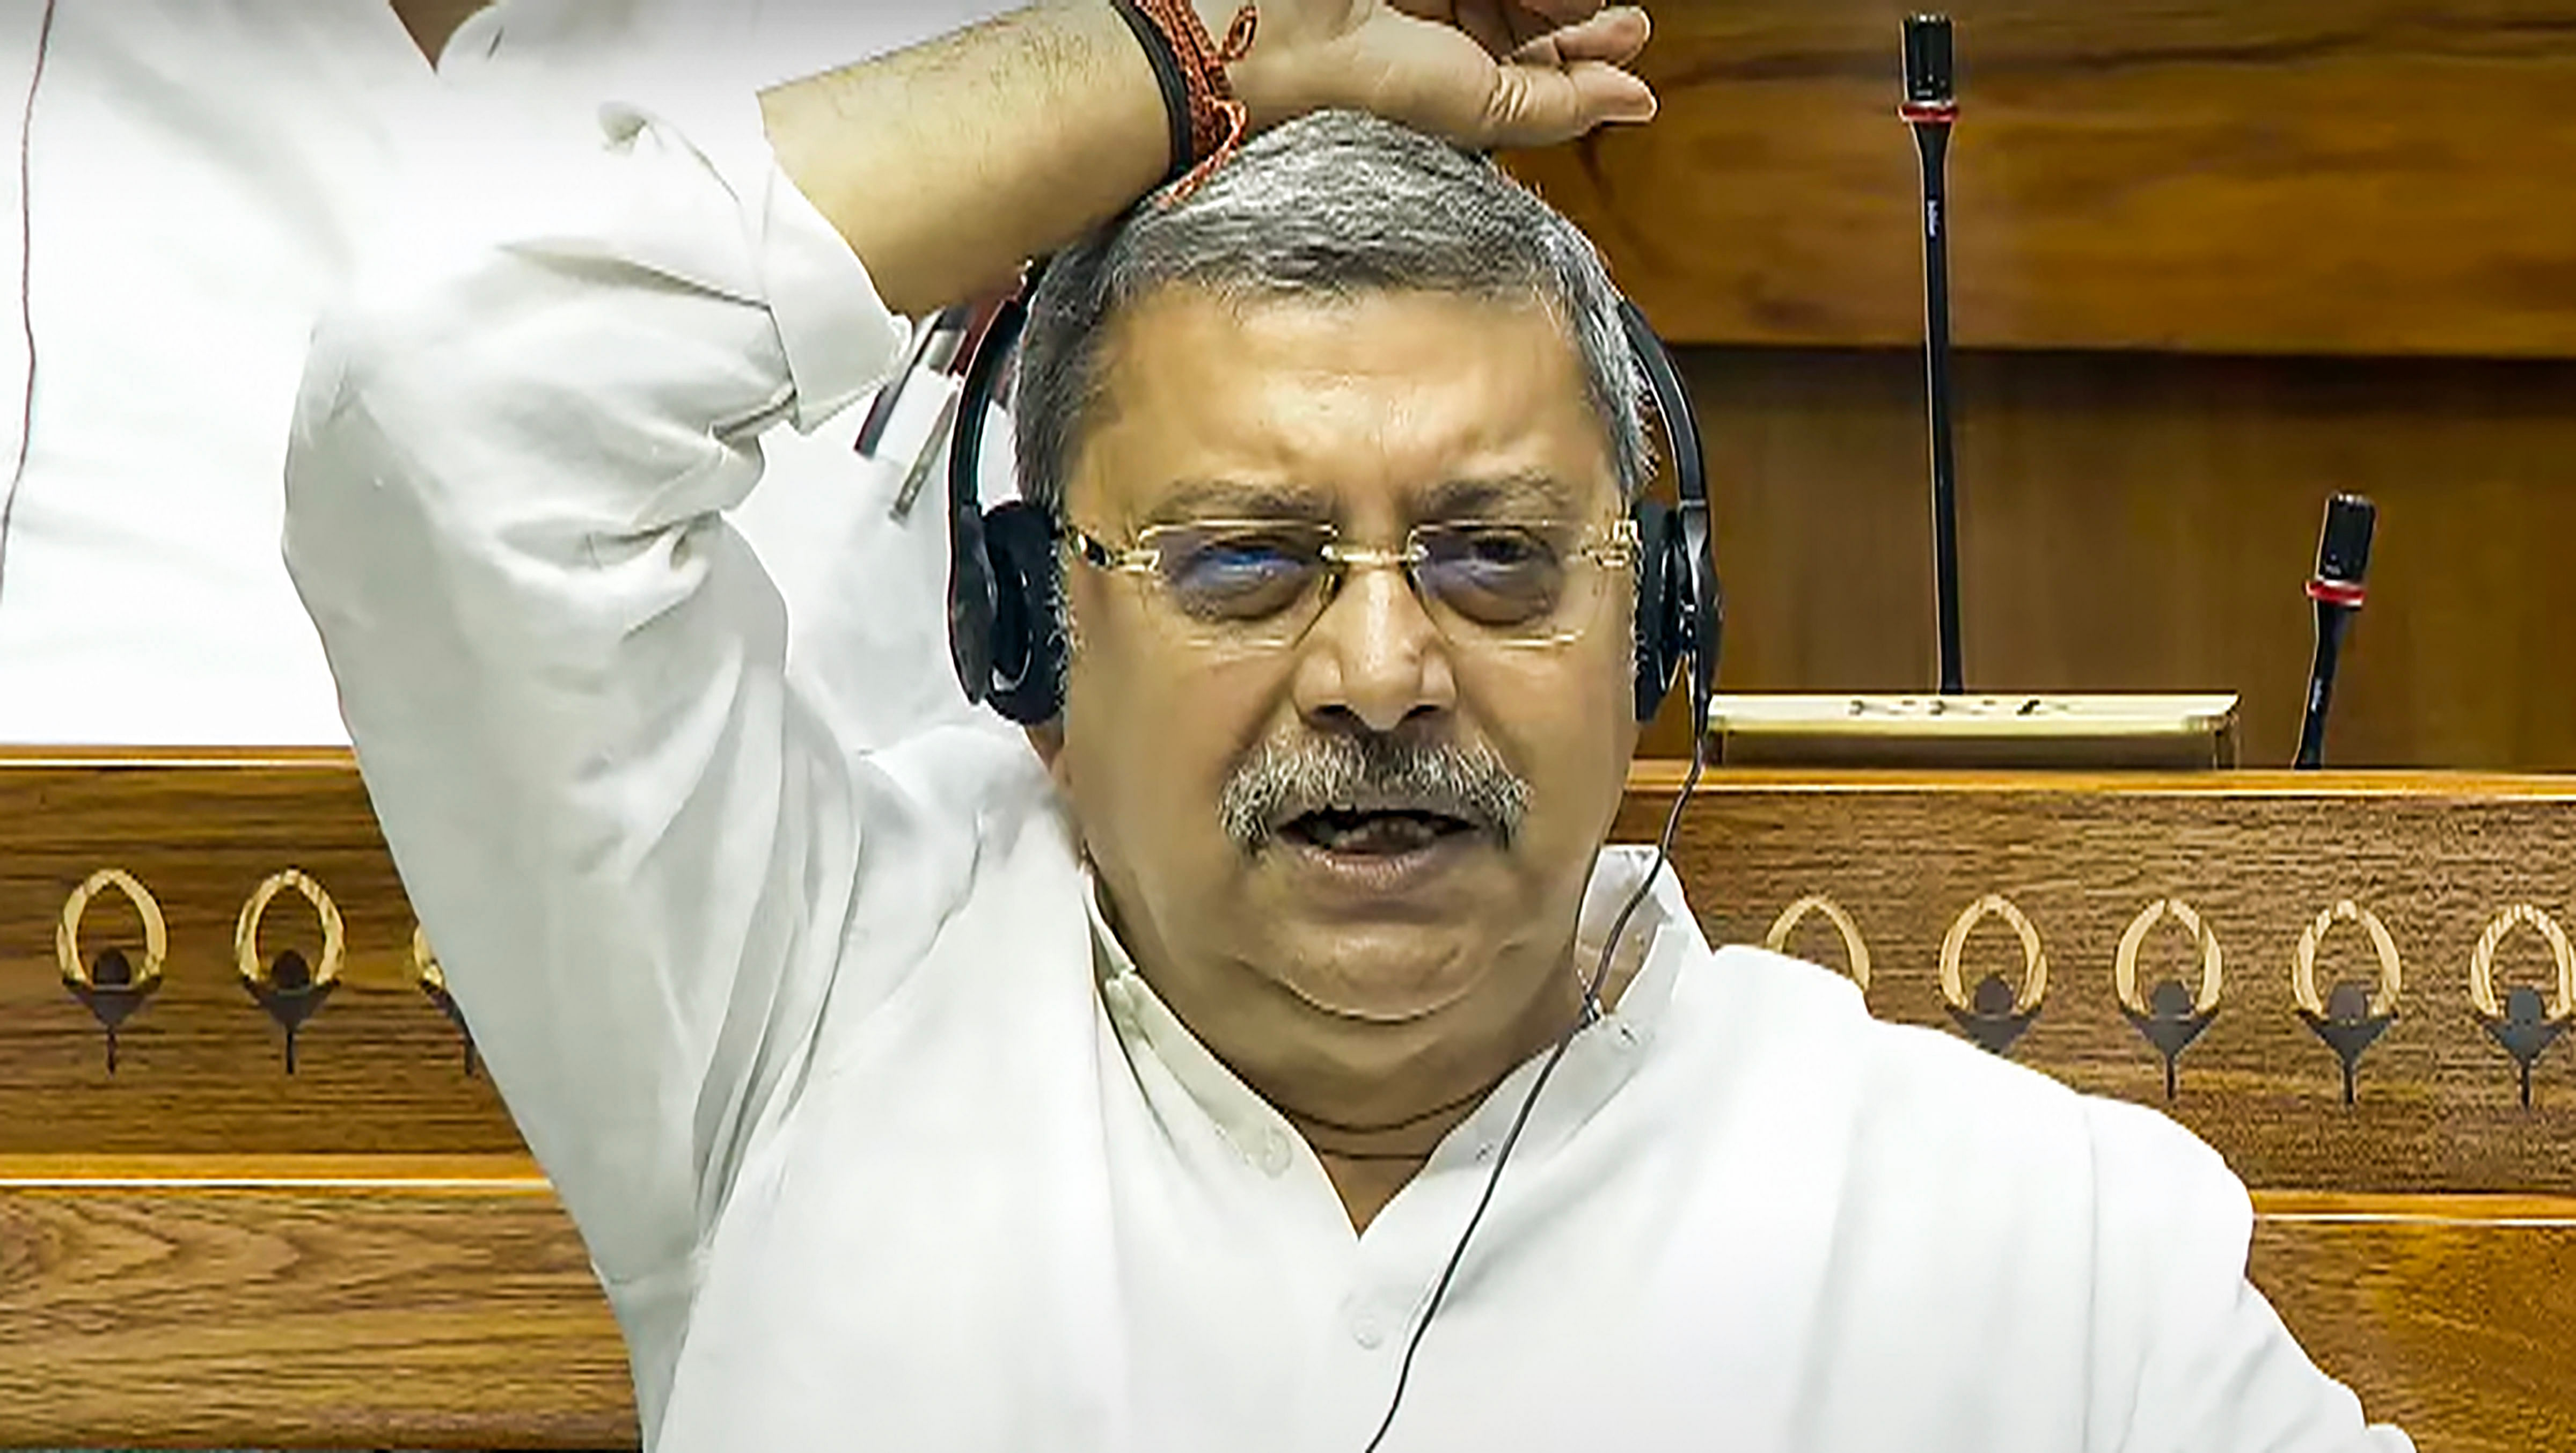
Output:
x=1661 y=569
x=1028 y=622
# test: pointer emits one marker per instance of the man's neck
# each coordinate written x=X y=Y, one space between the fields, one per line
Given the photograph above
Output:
x=1369 y=1165
x=1372 y=1133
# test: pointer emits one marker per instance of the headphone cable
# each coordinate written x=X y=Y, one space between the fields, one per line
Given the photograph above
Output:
x=26 y=281
x=1520 y=1120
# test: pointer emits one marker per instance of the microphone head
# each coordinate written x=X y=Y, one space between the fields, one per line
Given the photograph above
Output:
x=1929 y=79
x=2343 y=552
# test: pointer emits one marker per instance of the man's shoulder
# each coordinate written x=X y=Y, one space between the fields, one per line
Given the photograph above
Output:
x=1806 y=1037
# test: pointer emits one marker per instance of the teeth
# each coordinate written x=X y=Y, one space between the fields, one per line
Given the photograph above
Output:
x=1399 y=831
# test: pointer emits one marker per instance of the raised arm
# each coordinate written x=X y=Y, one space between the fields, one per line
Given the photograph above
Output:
x=635 y=850
x=561 y=668
x=1008 y=140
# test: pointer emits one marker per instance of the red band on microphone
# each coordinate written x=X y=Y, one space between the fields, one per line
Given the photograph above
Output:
x=1929 y=113
x=2335 y=592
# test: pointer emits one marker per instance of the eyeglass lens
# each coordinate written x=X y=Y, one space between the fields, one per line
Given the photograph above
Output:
x=1509 y=578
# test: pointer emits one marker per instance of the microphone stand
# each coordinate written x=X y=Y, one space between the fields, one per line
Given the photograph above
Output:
x=1931 y=108
x=2343 y=564
x=1952 y=729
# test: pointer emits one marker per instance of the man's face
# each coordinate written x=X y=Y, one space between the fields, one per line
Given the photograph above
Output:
x=1372 y=812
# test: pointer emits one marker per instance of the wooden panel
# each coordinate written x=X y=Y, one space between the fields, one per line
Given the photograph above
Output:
x=2146 y=524
x=379 y=1070
x=357 y=1303
x=2449 y=1316
x=2257 y=857
x=2303 y=176
x=161 y=1283
x=284 y=1305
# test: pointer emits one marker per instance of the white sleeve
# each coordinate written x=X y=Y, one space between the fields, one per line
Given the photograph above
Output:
x=2189 y=1356
x=631 y=845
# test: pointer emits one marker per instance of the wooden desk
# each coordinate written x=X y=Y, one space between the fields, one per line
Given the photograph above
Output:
x=201 y=1250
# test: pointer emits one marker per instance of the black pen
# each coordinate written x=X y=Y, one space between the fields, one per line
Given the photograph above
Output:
x=950 y=325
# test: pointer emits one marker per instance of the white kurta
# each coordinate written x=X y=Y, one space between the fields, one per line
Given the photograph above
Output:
x=201 y=173
x=199 y=176
x=875 y=1139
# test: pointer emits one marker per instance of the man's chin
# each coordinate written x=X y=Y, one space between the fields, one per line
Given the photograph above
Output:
x=1387 y=988
x=1389 y=960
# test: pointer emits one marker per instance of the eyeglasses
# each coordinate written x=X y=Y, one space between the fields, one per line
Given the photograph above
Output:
x=1264 y=583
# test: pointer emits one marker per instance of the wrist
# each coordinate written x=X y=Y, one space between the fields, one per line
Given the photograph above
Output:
x=1196 y=68
x=1266 y=79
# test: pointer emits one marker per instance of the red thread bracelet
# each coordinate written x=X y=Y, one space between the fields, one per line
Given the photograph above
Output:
x=1218 y=120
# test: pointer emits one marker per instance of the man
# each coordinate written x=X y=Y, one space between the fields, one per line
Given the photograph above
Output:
x=1129 y=1084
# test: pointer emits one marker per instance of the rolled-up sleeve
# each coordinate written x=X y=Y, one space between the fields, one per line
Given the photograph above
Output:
x=631 y=846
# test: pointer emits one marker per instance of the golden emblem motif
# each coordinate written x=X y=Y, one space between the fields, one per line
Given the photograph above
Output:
x=76 y=968
x=1855 y=948
x=2482 y=986
x=2303 y=974
x=2124 y=969
x=1995 y=1014
x=291 y=990
x=113 y=988
x=2034 y=958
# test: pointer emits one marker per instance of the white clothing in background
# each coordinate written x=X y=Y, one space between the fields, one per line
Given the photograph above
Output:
x=857 y=582
x=877 y=1140
x=200 y=175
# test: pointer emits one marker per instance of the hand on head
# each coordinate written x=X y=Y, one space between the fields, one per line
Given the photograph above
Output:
x=1483 y=73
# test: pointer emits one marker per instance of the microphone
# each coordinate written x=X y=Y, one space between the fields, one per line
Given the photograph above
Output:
x=2343 y=563
x=1931 y=108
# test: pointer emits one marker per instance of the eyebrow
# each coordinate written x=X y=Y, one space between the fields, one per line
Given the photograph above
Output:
x=1533 y=491
x=1234 y=499
x=1529 y=491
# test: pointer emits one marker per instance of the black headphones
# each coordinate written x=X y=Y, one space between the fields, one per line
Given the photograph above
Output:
x=1006 y=580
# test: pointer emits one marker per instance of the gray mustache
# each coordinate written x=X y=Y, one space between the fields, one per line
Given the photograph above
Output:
x=1283 y=781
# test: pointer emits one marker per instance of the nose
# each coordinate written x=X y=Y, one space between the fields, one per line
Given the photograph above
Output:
x=1374 y=660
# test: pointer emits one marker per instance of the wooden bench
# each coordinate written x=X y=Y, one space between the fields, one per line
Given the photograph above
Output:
x=200 y=1249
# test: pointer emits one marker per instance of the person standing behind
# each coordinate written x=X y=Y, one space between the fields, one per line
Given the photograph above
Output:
x=192 y=180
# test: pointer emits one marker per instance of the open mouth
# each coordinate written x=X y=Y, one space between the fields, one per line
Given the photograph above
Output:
x=1374 y=833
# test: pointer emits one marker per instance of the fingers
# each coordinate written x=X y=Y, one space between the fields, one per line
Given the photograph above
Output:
x=1615 y=36
x=1490 y=27
x=1556 y=14
x=1572 y=80
x=1503 y=26
x=1438 y=73
x=1542 y=105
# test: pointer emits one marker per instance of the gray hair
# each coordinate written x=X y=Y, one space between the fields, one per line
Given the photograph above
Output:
x=1332 y=205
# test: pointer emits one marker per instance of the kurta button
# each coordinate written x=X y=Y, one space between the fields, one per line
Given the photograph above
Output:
x=1368 y=1328
x=1274 y=1153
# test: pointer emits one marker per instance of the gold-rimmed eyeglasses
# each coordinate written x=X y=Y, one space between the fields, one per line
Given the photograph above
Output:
x=1264 y=583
